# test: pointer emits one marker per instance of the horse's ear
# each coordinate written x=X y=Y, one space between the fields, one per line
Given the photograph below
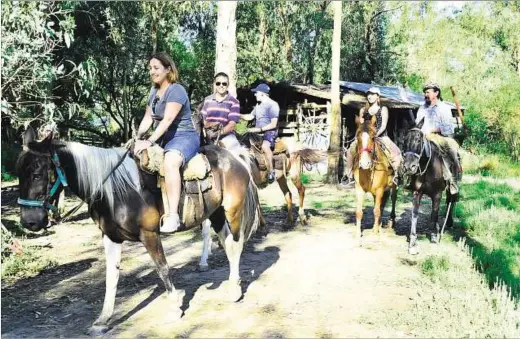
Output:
x=420 y=124
x=28 y=136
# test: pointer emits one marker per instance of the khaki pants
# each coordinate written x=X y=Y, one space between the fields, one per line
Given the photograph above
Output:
x=230 y=141
x=450 y=154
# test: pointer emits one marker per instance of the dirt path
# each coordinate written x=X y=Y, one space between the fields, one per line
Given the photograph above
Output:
x=312 y=281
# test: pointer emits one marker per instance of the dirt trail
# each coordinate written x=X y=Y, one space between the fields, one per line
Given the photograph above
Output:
x=311 y=281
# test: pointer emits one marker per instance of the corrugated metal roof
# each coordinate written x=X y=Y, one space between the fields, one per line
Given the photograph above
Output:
x=398 y=94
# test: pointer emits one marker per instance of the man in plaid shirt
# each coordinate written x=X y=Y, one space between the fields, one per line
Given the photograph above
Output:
x=439 y=128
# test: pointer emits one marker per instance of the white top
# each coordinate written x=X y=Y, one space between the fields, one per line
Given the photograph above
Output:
x=436 y=116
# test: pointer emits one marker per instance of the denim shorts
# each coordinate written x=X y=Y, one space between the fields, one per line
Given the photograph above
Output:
x=271 y=137
x=186 y=143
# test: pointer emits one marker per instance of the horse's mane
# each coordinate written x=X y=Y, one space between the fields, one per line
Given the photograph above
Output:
x=93 y=164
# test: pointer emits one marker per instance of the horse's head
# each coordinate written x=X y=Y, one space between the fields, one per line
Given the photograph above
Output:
x=413 y=149
x=34 y=169
x=365 y=141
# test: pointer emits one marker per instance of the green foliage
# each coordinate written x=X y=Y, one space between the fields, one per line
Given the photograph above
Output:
x=434 y=266
x=490 y=217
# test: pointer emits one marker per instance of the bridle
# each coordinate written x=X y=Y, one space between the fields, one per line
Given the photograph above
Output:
x=45 y=202
x=420 y=155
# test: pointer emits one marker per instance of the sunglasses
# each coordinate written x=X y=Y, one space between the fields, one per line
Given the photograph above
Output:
x=221 y=83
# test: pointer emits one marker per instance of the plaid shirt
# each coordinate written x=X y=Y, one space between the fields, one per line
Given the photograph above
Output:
x=436 y=116
x=221 y=111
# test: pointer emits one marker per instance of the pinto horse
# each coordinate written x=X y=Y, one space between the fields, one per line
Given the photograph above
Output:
x=372 y=173
x=126 y=205
x=423 y=165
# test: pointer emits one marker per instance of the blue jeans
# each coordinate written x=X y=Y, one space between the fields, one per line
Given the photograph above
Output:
x=271 y=137
x=187 y=143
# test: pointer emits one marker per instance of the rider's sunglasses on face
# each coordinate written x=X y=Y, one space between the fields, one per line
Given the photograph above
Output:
x=224 y=84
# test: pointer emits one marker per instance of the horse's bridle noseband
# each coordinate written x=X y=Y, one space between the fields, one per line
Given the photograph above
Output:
x=420 y=155
x=60 y=180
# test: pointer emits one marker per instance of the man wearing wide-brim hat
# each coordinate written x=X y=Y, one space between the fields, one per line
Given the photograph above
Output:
x=439 y=128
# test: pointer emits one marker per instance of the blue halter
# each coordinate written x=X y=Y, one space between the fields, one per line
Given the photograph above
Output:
x=44 y=203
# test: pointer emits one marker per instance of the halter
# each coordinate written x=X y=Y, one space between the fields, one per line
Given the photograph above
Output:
x=419 y=156
x=61 y=180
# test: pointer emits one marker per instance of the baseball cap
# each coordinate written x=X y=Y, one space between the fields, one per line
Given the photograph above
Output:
x=374 y=90
x=261 y=88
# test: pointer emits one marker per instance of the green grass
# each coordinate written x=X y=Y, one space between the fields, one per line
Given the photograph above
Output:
x=312 y=177
x=489 y=165
x=434 y=266
x=489 y=217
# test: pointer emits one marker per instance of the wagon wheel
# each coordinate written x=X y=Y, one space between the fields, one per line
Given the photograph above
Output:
x=314 y=130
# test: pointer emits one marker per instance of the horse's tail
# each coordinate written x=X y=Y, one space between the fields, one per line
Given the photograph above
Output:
x=306 y=157
x=251 y=213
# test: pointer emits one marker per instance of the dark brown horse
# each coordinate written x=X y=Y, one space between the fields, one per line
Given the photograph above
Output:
x=127 y=206
x=372 y=173
x=424 y=167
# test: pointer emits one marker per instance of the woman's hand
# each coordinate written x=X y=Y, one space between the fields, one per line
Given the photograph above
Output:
x=141 y=145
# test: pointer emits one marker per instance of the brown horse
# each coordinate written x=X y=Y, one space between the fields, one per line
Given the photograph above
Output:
x=287 y=161
x=372 y=173
x=126 y=204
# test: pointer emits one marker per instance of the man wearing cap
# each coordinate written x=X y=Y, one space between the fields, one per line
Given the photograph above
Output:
x=266 y=114
x=221 y=112
x=439 y=128
x=374 y=107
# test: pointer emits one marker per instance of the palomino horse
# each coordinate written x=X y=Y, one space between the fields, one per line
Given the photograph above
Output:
x=372 y=173
x=424 y=165
x=128 y=205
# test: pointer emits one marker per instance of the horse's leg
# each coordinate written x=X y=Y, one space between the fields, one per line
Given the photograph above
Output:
x=297 y=181
x=412 y=246
x=436 y=202
x=152 y=243
x=378 y=207
x=113 y=260
x=206 y=245
x=282 y=182
x=391 y=222
x=360 y=195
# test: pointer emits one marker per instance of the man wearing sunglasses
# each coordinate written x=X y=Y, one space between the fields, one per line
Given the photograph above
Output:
x=220 y=113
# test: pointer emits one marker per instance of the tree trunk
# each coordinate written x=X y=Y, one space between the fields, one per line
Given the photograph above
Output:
x=226 y=46
x=335 y=114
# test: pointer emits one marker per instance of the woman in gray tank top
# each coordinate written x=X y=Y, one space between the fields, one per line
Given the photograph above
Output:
x=169 y=111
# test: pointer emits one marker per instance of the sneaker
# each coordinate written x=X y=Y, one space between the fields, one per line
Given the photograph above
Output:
x=170 y=223
x=271 y=177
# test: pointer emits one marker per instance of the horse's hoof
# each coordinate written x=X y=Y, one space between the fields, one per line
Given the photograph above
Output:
x=174 y=315
x=98 y=330
x=434 y=238
x=234 y=291
x=203 y=268
x=303 y=219
x=389 y=224
x=414 y=250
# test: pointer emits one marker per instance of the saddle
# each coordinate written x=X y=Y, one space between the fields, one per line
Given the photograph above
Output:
x=197 y=181
x=280 y=152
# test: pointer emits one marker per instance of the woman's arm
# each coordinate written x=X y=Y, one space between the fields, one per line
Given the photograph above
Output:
x=384 y=118
x=146 y=123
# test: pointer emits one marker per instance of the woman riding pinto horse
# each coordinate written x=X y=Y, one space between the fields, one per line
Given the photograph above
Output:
x=127 y=206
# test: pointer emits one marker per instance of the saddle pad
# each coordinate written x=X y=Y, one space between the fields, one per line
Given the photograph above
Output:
x=279 y=146
x=152 y=161
x=197 y=168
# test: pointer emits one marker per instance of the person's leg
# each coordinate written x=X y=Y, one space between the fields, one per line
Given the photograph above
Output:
x=348 y=177
x=266 y=148
x=394 y=157
x=173 y=161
